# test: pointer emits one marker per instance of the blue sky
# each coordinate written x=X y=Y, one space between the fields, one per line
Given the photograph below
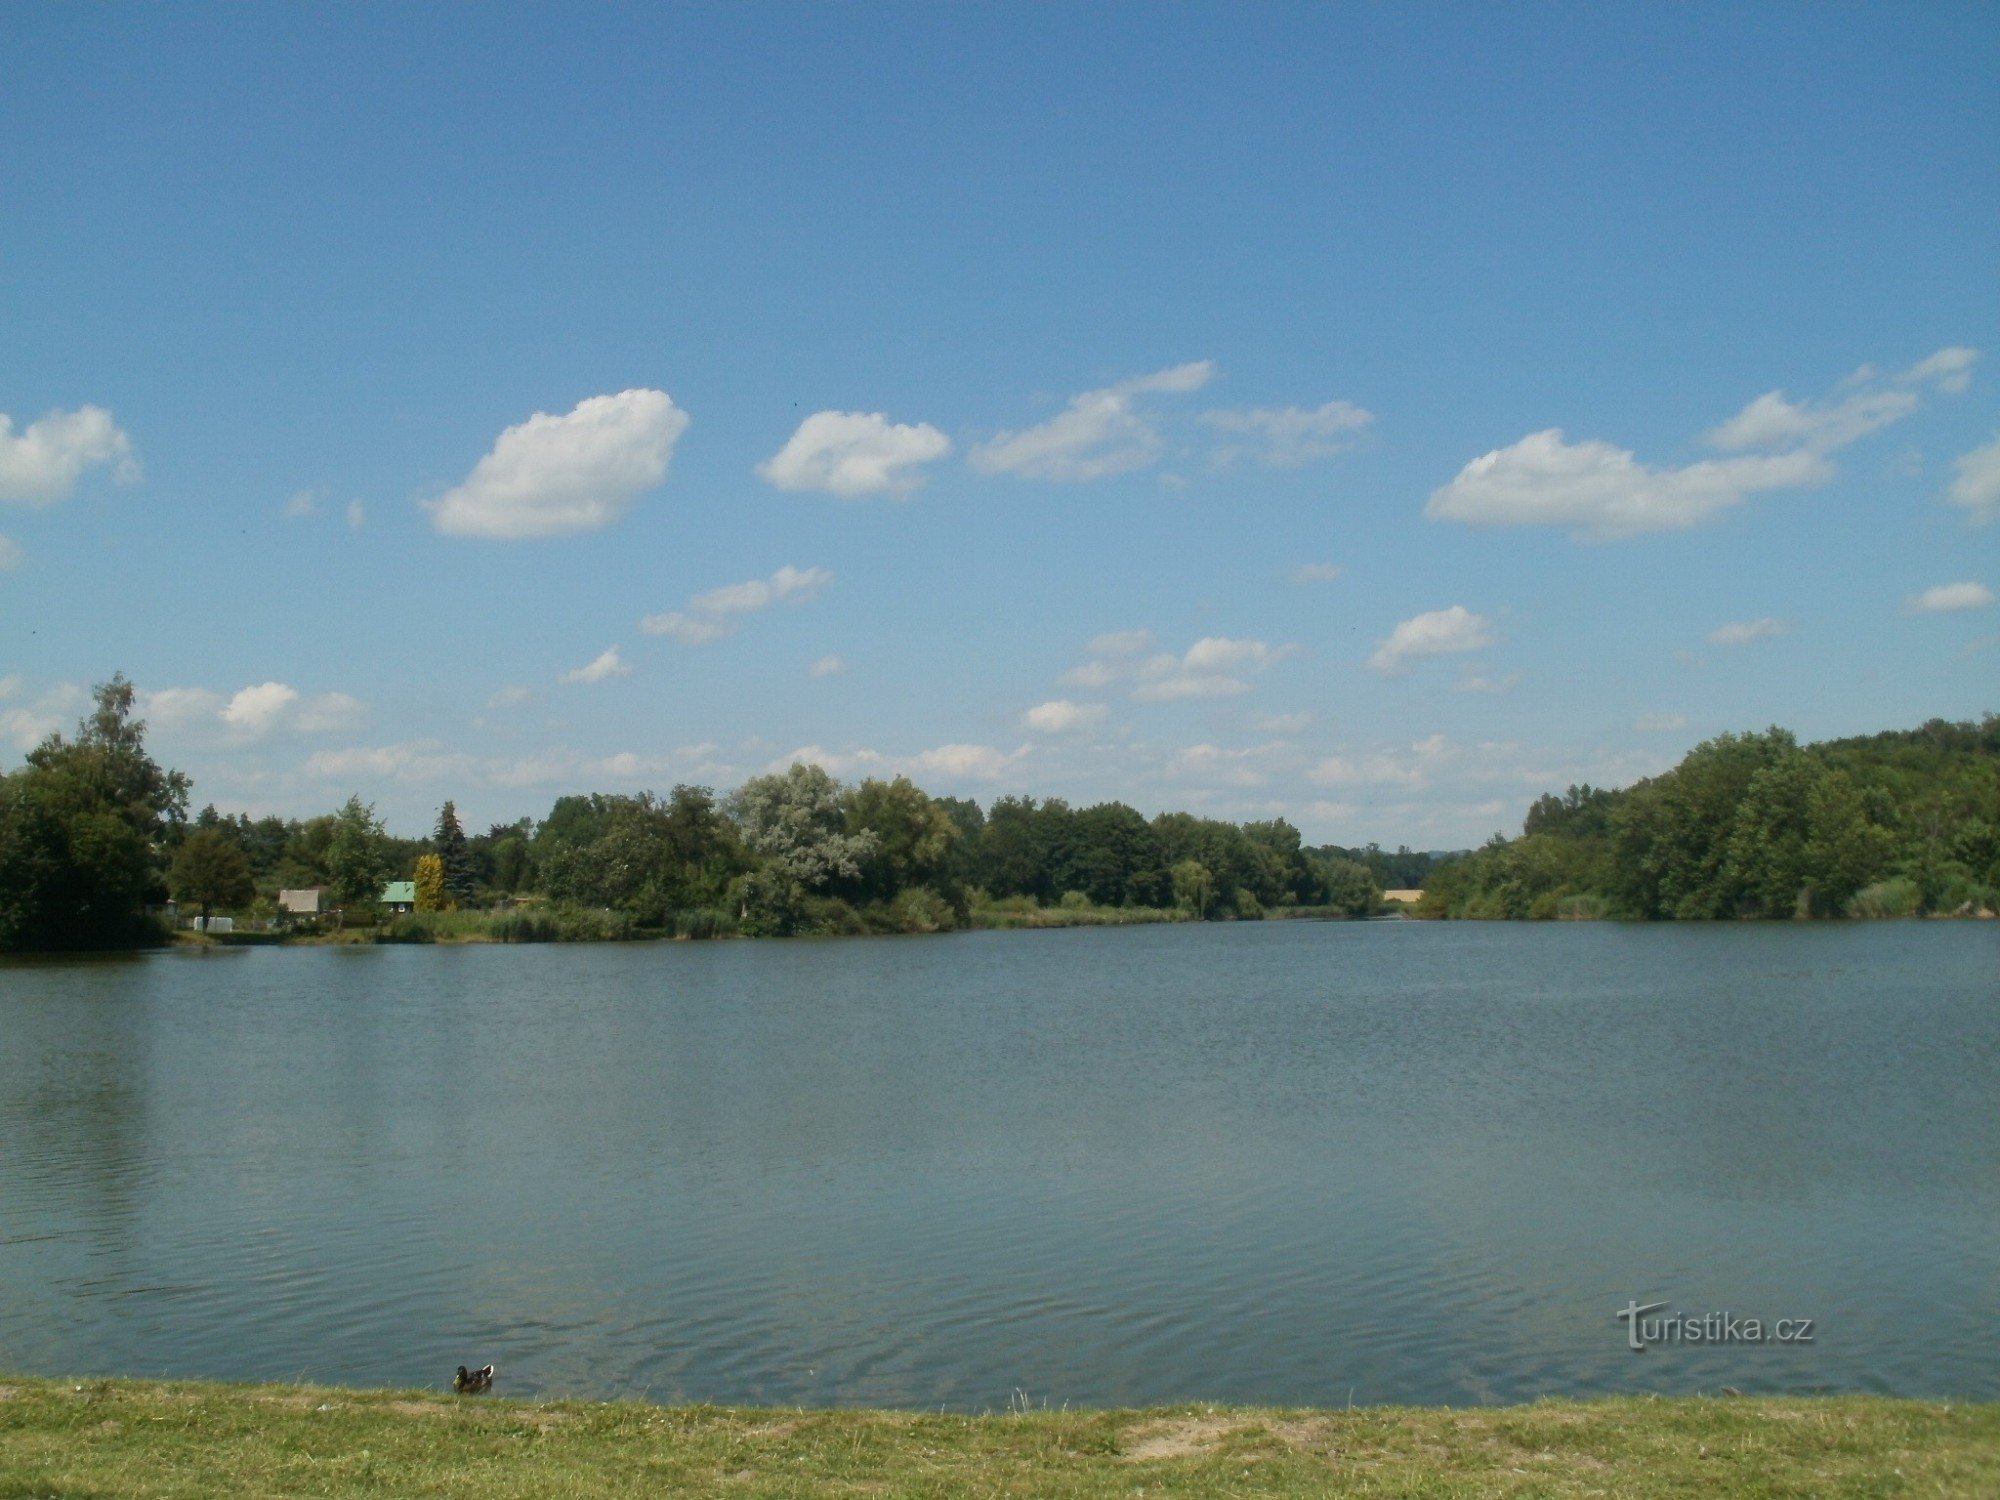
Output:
x=1370 y=416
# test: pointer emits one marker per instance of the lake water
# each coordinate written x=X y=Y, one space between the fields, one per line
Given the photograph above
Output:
x=1285 y=1162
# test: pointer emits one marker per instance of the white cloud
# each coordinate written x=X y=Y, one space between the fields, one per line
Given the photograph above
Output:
x=602 y=669
x=180 y=707
x=1946 y=598
x=1092 y=674
x=828 y=666
x=715 y=614
x=963 y=762
x=302 y=504
x=26 y=725
x=1772 y=422
x=1481 y=682
x=1281 y=723
x=1315 y=573
x=1602 y=492
x=43 y=464
x=854 y=454
x=1183 y=685
x=1660 y=723
x=329 y=713
x=11 y=555
x=1950 y=370
x=1287 y=437
x=1097 y=435
x=510 y=697
x=553 y=476
x=257 y=710
x=1207 y=670
x=357 y=515
x=1121 y=643
x=1438 y=632
x=968 y=762
x=1059 y=715
x=1743 y=632
x=1230 y=767
x=1977 y=486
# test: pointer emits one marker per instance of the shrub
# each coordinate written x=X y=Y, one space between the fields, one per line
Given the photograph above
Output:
x=1899 y=897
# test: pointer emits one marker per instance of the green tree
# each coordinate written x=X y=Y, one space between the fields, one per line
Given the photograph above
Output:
x=795 y=822
x=82 y=828
x=210 y=871
x=912 y=838
x=1194 y=888
x=461 y=881
x=357 y=854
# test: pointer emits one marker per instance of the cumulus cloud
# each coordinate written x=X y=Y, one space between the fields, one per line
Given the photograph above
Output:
x=1743 y=632
x=828 y=666
x=554 y=476
x=1315 y=573
x=1484 y=682
x=1947 y=598
x=1602 y=492
x=1438 y=632
x=510 y=697
x=602 y=669
x=257 y=710
x=1977 y=486
x=1210 y=668
x=717 y=613
x=1059 y=716
x=251 y=713
x=302 y=504
x=11 y=555
x=357 y=515
x=854 y=454
x=1289 y=436
x=1660 y=723
x=42 y=464
x=1232 y=767
x=1121 y=643
x=1100 y=433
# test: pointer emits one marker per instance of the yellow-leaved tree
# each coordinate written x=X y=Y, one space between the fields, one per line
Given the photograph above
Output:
x=430 y=883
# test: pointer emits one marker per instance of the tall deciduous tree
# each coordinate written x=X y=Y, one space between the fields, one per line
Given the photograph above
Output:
x=430 y=883
x=210 y=871
x=81 y=830
x=357 y=855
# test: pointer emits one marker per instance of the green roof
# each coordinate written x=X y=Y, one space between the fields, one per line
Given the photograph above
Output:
x=400 y=890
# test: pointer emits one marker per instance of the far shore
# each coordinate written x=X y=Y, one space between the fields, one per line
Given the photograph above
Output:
x=173 y=1438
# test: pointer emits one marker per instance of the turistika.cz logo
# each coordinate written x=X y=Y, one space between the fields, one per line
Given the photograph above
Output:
x=1712 y=1328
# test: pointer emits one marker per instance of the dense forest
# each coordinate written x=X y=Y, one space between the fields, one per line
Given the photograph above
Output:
x=93 y=833
x=1756 y=825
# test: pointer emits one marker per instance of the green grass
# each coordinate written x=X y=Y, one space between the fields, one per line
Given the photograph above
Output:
x=160 y=1439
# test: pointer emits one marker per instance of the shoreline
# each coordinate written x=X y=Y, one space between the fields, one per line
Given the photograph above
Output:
x=170 y=1437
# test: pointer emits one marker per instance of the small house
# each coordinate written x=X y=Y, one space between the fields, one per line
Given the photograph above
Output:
x=400 y=895
x=310 y=902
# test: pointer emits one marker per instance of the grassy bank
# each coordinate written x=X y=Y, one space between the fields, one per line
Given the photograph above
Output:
x=158 y=1439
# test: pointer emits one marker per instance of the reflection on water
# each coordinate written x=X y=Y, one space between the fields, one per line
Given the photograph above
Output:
x=1293 y=1162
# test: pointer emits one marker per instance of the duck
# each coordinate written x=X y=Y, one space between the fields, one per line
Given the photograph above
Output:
x=472 y=1382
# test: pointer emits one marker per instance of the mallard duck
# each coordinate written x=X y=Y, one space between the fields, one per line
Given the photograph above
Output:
x=472 y=1382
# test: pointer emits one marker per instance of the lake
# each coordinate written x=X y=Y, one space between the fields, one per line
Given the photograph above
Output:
x=1290 y=1162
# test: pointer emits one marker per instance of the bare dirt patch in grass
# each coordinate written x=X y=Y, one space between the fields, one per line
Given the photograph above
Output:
x=1180 y=1437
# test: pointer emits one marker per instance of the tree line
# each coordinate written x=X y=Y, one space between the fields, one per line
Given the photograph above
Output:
x=1757 y=825
x=94 y=834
